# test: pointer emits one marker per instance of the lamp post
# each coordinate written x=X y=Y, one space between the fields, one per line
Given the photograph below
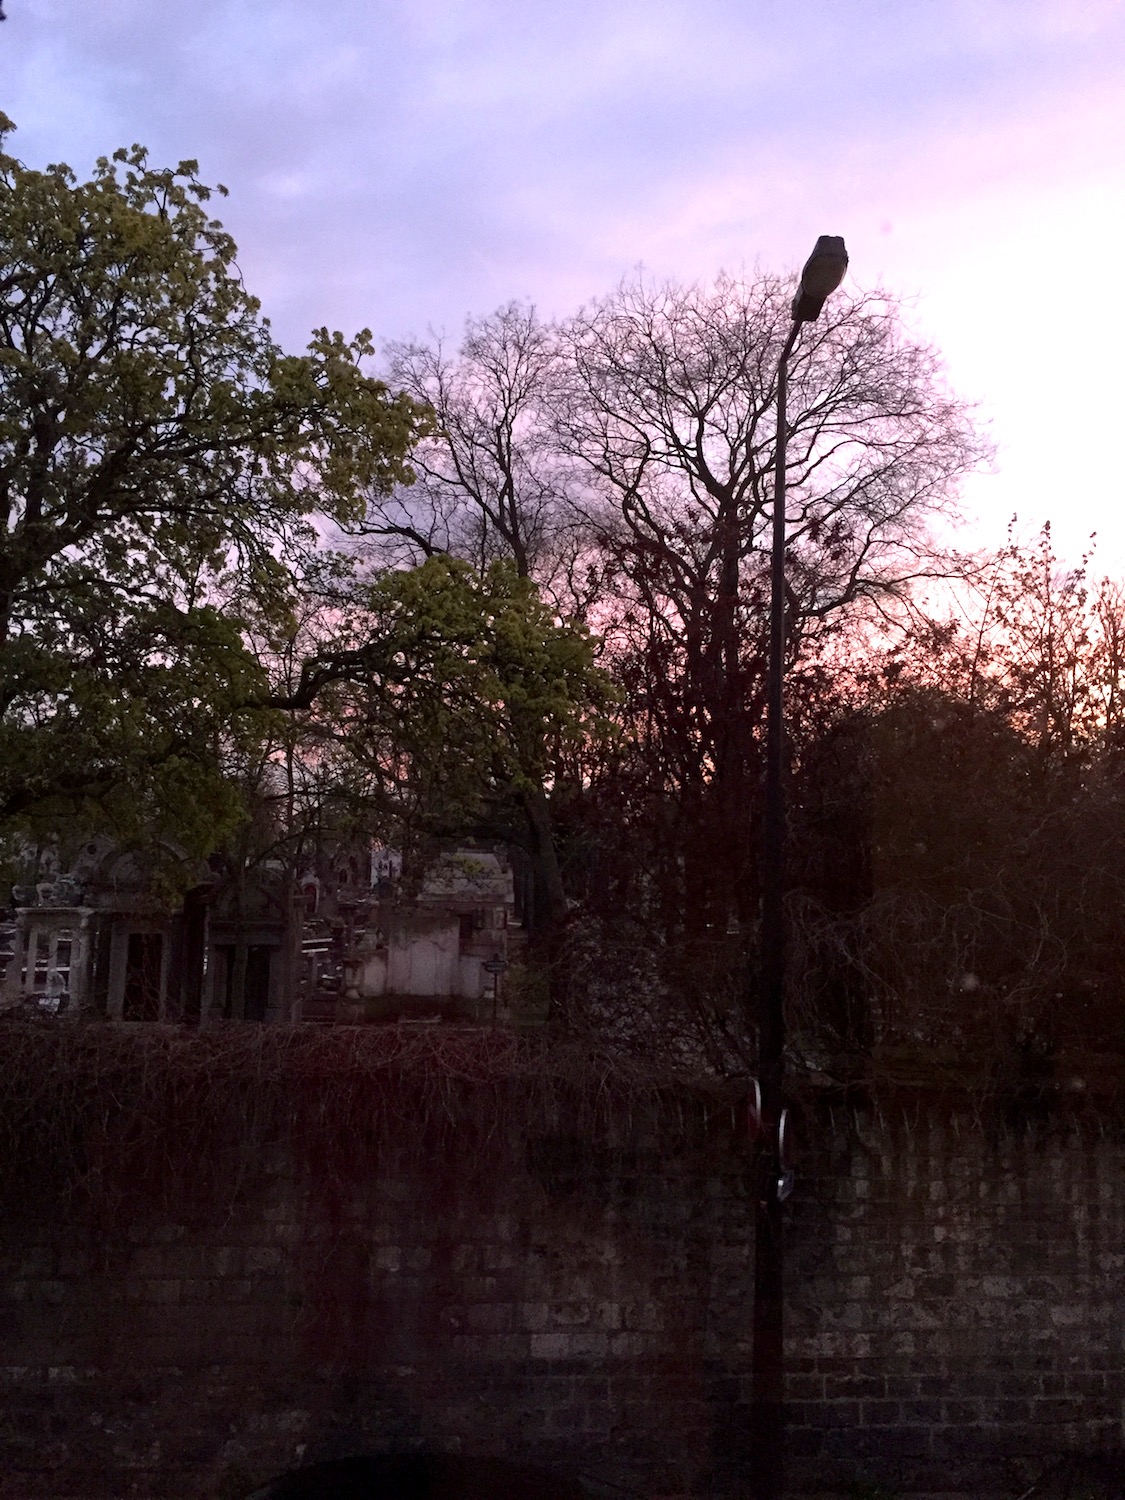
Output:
x=822 y=274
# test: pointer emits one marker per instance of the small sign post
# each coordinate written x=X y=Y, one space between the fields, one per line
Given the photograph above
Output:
x=495 y=966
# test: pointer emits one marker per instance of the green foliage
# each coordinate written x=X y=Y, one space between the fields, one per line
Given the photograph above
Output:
x=160 y=457
x=445 y=691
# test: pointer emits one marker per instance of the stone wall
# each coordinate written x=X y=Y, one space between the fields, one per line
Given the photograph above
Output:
x=957 y=1299
x=582 y=1300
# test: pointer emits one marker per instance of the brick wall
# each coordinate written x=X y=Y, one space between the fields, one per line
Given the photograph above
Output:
x=582 y=1300
x=957 y=1307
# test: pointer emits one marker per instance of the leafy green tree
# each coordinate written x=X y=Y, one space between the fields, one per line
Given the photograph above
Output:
x=160 y=460
x=445 y=705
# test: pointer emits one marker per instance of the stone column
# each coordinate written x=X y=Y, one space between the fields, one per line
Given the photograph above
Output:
x=13 y=974
x=80 y=955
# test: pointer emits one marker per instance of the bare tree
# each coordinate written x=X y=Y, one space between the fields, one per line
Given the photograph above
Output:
x=668 y=397
x=491 y=483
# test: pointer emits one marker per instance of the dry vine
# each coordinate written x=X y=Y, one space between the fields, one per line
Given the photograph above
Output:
x=120 y=1120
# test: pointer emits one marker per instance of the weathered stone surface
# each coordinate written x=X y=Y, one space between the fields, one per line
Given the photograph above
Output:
x=956 y=1319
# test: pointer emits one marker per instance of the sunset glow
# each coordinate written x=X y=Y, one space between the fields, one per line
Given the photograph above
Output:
x=401 y=165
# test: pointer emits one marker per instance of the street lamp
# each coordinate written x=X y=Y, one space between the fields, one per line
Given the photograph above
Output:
x=823 y=272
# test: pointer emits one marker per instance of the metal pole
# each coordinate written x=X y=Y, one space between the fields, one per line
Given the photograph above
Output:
x=767 y=1405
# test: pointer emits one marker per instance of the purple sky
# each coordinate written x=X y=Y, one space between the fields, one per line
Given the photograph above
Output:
x=401 y=163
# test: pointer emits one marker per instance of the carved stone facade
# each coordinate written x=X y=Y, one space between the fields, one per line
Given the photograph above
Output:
x=346 y=945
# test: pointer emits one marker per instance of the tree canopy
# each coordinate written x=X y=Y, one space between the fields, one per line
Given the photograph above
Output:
x=225 y=601
x=160 y=458
x=624 y=458
x=444 y=701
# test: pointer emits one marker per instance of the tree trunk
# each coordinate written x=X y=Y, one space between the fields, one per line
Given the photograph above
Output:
x=550 y=899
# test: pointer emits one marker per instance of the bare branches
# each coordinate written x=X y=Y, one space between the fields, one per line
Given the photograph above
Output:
x=670 y=403
x=490 y=483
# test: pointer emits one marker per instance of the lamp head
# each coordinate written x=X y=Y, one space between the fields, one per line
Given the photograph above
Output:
x=823 y=273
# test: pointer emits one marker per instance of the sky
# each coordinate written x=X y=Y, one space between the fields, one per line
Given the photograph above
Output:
x=401 y=164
